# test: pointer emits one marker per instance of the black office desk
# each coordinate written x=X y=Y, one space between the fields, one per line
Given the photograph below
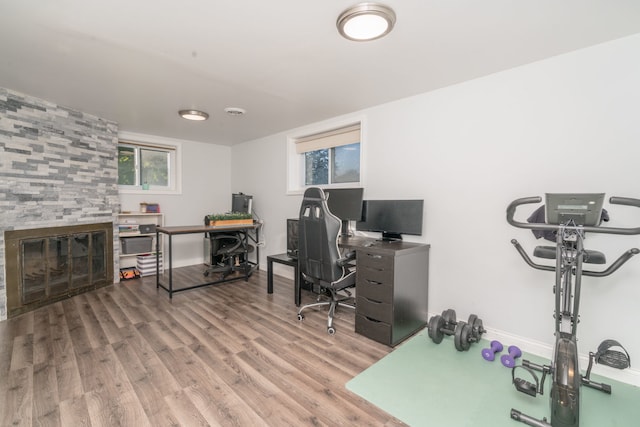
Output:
x=391 y=288
x=244 y=229
x=392 y=283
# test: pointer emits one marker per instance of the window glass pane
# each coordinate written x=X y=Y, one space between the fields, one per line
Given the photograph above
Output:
x=154 y=167
x=126 y=165
x=316 y=167
x=346 y=163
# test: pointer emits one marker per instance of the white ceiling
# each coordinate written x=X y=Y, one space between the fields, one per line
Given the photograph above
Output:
x=138 y=62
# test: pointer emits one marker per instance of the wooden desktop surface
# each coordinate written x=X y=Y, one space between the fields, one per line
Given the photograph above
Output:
x=370 y=243
x=190 y=229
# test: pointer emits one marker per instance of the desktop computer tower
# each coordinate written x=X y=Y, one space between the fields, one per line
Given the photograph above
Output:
x=292 y=238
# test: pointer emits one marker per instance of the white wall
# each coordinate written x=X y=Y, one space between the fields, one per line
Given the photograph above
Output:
x=206 y=189
x=566 y=124
x=259 y=169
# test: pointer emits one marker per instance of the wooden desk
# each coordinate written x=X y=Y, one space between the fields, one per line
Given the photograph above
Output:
x=244 y=229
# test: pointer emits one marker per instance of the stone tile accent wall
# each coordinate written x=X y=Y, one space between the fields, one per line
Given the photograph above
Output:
x=58 y=166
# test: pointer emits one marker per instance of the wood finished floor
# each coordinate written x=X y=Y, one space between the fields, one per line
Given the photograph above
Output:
x=126 y=355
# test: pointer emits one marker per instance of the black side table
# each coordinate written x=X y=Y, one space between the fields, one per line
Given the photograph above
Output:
x=285 y=260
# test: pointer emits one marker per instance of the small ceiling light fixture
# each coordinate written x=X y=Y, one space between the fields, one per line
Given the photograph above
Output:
x=366 y=21
x=235 y=111
x=193 y=115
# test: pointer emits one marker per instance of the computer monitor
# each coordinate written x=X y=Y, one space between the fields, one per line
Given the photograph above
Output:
x=392 y=218
x=241 y=203
x=346 y=204
x=580 y=209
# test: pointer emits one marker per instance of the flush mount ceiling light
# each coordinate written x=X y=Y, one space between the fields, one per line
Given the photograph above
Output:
x=366 y=21
x=193 y=115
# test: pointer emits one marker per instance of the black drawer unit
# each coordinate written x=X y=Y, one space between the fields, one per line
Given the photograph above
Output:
x=374 y=310
x=391 y=290
x=374 y=287
x=374 y=329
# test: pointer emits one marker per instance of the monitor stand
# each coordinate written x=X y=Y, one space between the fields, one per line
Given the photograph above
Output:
x=390 y=236
x=344 y=231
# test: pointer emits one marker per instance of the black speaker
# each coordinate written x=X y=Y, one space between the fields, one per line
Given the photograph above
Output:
x=292 y=237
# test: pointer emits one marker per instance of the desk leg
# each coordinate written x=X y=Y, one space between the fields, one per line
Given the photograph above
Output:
x=298 y=284
x=170 y=267
x=258 y=248
x=247 y=264
x=269 y=276
x=157 y=259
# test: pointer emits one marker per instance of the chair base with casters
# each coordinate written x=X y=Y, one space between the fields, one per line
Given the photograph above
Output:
x=335 y=300
x=228 y=253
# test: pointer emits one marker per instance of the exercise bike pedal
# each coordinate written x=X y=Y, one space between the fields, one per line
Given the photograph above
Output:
x=614 y=359
x=526 y=387
x=608 y=357
x=611 y=357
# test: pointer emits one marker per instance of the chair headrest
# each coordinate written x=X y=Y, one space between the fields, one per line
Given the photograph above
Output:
x=314 y=193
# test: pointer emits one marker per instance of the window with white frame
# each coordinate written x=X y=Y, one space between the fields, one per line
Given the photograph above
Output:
x=143 y=166
x=328 y=158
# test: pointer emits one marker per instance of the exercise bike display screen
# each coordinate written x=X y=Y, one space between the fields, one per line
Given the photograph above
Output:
x=581 y=209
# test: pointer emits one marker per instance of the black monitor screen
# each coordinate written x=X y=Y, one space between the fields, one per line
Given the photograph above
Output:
x=345 y=203
x=392 y=217
x=241 y=203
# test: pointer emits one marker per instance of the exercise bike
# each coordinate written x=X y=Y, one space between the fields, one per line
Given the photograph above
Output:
x=570 y=216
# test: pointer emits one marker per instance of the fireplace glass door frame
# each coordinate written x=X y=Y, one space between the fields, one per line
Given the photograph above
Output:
x=46 y=265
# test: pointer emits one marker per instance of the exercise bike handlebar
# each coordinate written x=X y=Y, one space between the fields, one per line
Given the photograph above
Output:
x=511 y=210
x=626 y=256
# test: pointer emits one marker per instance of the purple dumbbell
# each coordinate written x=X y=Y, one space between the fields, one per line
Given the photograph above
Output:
x=509 y=360
x=490 y=353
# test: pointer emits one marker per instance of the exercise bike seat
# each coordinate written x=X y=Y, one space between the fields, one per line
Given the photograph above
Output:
x=590 y=256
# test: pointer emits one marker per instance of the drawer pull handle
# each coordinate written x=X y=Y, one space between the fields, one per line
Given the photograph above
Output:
x=373 y=301
x=372 y=320
x=373 y=282
x=374 y=256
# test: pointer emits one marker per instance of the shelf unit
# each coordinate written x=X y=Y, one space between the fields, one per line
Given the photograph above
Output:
x=132 y=222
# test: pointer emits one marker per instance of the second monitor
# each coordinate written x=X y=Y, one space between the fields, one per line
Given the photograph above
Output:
x=346 y=204
x=392 y=218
